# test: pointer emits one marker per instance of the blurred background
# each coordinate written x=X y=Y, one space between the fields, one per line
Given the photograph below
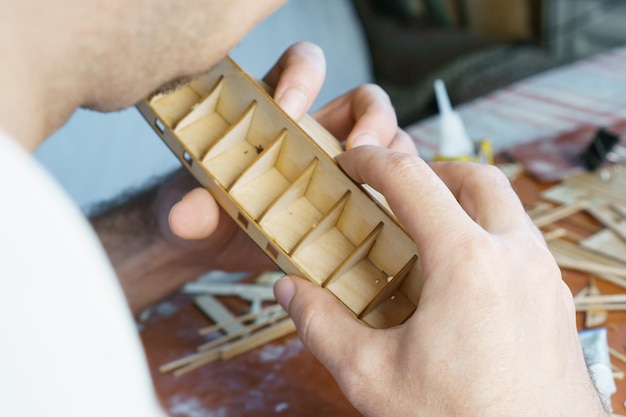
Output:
x=475 y=46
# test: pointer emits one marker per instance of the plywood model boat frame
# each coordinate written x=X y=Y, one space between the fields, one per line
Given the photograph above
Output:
x=278 y=180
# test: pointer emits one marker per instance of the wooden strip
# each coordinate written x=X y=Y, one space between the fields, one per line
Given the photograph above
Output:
x=602 y=299
x=610 y=217
x=606 y=243
x=554 y=234
x=243 y=331
x=209 y=357
x=595 y=187
x=600 y=303
x=213 y=309
x=240 y=319
x=280 y=329
x=606 y=307
x=594 y=318
x=229 y=351
x=539 y=208
x=567 y=250
x=591 y=267
x=177 y=363
x=617 y=354
x=560 y=212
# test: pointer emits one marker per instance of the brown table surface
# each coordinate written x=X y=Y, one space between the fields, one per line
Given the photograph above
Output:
x=283 y=378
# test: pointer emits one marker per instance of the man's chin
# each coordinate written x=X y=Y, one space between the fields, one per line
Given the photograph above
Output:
x=173 y=85
x=119 y=103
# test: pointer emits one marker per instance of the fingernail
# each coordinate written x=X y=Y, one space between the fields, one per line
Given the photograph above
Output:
x=284 y=290
x=293 y=102
x=364 y=139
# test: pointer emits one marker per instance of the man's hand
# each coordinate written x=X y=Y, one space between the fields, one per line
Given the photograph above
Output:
x=494 y=332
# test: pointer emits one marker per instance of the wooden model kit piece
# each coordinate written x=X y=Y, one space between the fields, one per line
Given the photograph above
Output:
x=283 y=187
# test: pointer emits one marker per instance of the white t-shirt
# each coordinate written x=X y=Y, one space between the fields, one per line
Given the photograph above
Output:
x=68 y=345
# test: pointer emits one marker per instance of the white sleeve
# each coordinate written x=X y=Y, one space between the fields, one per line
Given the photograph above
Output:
x=68 y=345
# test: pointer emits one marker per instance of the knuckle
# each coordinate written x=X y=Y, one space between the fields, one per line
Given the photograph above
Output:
x=490 y=173
x=305 y=317
x=365 y=365
x=372 y=90
x=401 y=164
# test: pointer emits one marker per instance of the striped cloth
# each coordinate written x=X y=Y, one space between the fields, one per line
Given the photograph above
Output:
x=552 y=115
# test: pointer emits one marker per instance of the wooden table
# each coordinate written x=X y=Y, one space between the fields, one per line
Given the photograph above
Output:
x=283 y=378
x=529 y=192
x=280 y=378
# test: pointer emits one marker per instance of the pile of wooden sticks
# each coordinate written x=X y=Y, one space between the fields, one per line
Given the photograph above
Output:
x=258 y=328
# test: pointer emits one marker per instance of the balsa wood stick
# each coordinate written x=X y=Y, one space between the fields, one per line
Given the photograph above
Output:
x=280 y=329
x=205 y=359
x=240 y=319
x=604 y=307
x=564 y=251
x=204 y=351
x=245 y=330
x=539 y=209
x=609 y=302
x=557 y=233
x=184 y=360
x=559 y=213
x=591 y=267
x=231 y=350
x=617 y=354
x=594 y=317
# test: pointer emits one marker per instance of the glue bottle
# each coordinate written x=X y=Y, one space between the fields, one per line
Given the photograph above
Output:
x=454 y=143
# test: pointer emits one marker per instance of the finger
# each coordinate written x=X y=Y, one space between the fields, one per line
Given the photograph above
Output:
x=364 y=116
x=324 y=325
x=297 y=78
x=195 y=216
x=420 y=200
x=402 y=142
x=486 y=194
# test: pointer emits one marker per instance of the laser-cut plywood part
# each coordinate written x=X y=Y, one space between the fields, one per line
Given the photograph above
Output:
x=283 y=187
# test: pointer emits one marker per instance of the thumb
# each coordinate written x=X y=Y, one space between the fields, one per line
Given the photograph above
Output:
x=325 y=326
x=195 y=216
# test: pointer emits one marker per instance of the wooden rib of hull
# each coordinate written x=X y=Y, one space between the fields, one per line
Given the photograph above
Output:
x=278 y=180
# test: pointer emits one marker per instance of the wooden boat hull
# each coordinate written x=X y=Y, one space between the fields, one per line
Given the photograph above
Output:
x=278 y=180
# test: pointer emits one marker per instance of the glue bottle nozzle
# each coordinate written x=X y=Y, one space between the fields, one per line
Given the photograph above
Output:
x=453 y=140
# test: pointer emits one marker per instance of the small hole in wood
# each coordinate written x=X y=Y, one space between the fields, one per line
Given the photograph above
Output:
x=187 y=158
x=272 y=251
x=242 y=220
x=159 y=125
